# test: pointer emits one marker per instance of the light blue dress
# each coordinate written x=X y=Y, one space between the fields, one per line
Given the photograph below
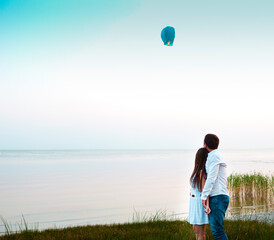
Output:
x=197 y=215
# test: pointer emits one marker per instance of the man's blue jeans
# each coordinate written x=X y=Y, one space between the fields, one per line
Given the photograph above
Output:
x=218 y=205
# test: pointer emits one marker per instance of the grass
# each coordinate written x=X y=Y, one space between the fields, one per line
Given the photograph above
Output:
x=160 y=229
x=7 y=226
x=144 y=226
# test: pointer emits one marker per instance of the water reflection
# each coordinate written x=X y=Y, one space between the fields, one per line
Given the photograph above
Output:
x=250 y=200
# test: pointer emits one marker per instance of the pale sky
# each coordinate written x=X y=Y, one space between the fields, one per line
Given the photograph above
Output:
x=94 y=74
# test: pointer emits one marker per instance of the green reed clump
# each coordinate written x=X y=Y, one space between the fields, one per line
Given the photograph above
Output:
x=253 y=189
x=234 y=181
x=272 y=183
x=256 y=180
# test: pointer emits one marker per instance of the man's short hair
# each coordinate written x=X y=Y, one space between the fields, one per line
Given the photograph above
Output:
x=212 y=141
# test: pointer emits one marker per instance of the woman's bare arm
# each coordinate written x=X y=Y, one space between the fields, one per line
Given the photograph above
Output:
x=203 y=182
x=208 y=210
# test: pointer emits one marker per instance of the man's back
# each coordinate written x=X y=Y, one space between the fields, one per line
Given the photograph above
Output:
x=215 y=160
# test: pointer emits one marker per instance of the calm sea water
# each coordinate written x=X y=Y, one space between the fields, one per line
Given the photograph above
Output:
x=64 y=188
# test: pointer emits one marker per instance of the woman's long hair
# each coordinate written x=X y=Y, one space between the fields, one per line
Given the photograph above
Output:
x=199 y=171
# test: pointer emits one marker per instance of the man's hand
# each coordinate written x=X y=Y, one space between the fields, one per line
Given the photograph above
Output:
x=206 y=206
x=204 y=202
x=208 y=210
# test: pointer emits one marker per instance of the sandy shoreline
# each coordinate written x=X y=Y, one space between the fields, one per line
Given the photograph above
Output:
x=267 y=217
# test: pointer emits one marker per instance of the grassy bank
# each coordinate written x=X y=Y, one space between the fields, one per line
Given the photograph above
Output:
x=147 y=230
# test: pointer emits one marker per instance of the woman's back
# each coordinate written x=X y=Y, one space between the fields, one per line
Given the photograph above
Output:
x=194 y=190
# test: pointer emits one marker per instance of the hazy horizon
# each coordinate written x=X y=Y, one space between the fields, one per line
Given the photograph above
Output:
x=135 y=149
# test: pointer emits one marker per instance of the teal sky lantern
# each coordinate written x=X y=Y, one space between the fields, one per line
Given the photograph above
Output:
x=168 y=35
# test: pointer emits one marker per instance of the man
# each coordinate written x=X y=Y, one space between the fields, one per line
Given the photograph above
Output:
x=215 y=187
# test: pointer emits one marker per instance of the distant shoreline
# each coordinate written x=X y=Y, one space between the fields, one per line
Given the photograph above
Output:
x=131 y=149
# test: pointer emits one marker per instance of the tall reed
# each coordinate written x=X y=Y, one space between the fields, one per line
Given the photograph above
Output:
x=159 y=215
x=19 y=227
x=253 y=189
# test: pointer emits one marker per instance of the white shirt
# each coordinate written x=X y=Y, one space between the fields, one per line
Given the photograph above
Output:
x=216 y=182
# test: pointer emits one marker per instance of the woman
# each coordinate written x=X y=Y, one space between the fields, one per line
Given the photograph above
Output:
x=198 y=216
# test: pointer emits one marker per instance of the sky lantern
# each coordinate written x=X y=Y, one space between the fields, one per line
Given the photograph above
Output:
x=168 y=35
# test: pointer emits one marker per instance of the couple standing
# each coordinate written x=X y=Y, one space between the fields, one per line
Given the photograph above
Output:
x=209 y=196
